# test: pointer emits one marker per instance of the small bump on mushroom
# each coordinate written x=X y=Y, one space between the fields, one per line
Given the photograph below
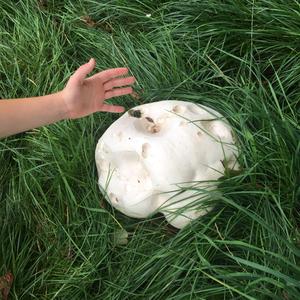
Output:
x=105 y=149
x=219 y=129
x=120 y=135
x=113 y=198
x=199 y=133
x=145 y=150
x=162 y=120
x=102 y=148
x=155 y=129
x=103 y=164
x=179 y=109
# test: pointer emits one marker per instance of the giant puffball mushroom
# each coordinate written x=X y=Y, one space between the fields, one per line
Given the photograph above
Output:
x=164 y=157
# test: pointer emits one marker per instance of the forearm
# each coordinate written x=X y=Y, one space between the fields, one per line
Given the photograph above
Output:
x=18 y=115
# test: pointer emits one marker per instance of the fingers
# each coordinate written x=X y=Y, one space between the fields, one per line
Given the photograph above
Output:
x=117 y=82
x=118 y=92
x=110 y=73
x=112 y=108
x=81 y=73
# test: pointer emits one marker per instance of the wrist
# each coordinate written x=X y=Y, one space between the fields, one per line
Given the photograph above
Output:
x=63 y=109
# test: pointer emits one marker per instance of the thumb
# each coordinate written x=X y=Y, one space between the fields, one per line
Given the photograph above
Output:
x=81 y=73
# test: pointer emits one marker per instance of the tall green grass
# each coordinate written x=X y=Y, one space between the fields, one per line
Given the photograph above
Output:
x=57 y=232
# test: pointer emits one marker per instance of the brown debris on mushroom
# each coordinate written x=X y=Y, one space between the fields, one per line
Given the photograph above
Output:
x=135 y=113
x=149 y=119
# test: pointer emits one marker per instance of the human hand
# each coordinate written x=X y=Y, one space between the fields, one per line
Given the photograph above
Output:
x=83 y=96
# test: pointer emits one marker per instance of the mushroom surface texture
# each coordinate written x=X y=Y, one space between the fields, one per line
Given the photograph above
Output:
x=165 y=157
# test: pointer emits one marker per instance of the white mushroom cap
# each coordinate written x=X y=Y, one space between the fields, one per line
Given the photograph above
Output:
x=153 y=148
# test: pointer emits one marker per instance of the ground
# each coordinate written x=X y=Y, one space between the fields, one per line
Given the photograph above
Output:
x=59 y=238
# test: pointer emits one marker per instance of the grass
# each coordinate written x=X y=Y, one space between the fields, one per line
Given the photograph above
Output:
x=57 y=233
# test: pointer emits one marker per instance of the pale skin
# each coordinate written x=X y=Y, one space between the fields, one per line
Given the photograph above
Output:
x=81 y=97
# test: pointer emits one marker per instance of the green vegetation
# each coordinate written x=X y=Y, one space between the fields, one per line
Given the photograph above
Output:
x=240 y=57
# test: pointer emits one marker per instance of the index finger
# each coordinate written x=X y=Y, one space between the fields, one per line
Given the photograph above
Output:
x=111 y=73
